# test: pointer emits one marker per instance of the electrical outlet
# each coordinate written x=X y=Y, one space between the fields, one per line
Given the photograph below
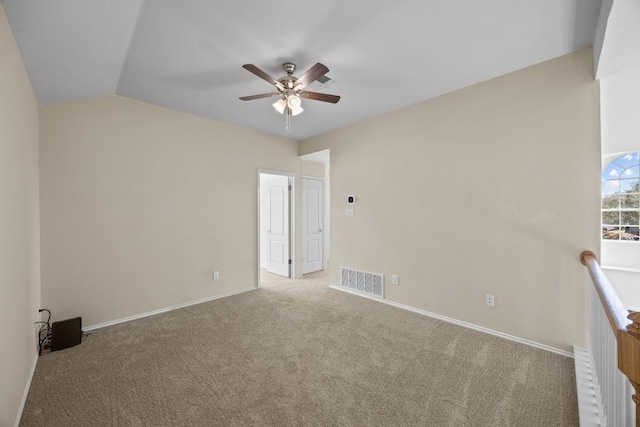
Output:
x=216 y=275
x=490 y=300
x=394 y=279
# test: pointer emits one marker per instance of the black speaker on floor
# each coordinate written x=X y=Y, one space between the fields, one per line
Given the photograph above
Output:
x=66 y=333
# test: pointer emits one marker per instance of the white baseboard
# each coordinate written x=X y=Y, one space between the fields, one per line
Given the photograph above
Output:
x=587 y=401
x=164 y=310
x=458 y=322
x=26 y=391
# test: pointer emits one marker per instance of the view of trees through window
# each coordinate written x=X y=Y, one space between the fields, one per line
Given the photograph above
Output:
x=620 y=199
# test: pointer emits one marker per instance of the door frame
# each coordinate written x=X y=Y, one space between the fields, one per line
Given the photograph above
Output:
x=292 y=220
x=315 y=178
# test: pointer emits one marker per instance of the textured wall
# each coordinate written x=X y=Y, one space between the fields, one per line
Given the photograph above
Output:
x=140 y=204
x=492 y=189
x=19 y=225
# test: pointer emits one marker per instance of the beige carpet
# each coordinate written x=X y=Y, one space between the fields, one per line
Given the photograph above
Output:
x=296 y=353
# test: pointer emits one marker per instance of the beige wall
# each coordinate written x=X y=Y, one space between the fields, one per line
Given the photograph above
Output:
x=19 y=226
x=312 y=169
x=493 y=189
x=140 y=204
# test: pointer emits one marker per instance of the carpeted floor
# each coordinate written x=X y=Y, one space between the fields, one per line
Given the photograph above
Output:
x=296 y=353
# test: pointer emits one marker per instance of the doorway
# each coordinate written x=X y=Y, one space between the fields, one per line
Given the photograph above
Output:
x=276 y=230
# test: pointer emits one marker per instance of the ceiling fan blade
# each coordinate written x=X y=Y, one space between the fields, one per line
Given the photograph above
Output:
x=312 y=74
x=258 y=72
x=317 y=96
x=262 y=95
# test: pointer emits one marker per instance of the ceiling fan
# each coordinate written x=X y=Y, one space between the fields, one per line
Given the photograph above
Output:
x=291 y=89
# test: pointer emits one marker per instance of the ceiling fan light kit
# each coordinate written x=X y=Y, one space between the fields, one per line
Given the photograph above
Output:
x=280 y=105
x=290 y=89
x=294 y=104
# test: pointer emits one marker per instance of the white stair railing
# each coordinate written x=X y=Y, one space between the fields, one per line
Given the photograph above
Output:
x=614 y=350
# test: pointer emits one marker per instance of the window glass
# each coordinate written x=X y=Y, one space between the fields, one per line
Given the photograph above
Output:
x=621 y=199
x=628 y=186
x=628 y=201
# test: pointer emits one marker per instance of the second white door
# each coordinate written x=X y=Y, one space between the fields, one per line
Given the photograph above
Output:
x=311 y=225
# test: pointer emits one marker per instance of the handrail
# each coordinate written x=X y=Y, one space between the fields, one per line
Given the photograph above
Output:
x=616 y=313
x=626 y=327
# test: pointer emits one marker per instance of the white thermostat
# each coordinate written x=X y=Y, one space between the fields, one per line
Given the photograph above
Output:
x=351 y=199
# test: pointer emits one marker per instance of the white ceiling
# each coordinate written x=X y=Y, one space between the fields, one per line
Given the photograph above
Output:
x=619 y=74
x=621 y=41
x=187 y=55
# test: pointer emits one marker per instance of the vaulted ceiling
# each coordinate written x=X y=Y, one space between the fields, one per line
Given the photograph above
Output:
x=188 y=55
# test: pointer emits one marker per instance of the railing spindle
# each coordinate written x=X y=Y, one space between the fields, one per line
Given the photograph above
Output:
x=614 y=342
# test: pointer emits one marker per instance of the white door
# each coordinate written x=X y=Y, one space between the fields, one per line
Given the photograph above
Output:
x=311 y=225
x=278 y=224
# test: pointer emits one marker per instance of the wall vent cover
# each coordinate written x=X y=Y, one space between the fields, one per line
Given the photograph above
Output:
x=362 y=281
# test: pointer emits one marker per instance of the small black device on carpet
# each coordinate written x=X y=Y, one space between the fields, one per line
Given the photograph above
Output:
x=66 y=333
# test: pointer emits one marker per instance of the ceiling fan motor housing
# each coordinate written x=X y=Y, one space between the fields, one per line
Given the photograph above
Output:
x=289 y=67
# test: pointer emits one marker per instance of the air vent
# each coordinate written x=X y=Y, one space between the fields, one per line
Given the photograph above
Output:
x=362 y=281
x=323 y=82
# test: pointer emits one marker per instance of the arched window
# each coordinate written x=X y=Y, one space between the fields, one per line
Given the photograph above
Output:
x=620 y=199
